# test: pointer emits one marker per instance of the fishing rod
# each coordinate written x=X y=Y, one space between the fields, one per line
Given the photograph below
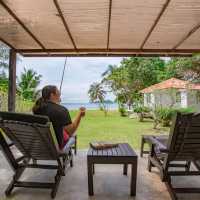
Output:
x=63 y=73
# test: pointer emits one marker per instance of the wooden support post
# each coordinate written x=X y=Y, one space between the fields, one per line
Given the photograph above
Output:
x=12 y=81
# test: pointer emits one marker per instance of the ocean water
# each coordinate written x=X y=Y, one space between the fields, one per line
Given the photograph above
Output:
x=89 y=106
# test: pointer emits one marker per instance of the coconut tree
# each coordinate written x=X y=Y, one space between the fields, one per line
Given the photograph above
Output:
x=97 y=94
x=28 y=83
x=4 y=56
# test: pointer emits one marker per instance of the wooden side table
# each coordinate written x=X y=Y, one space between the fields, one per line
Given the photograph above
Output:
x=122 y=154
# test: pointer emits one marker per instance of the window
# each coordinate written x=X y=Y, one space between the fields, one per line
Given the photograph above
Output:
x=159 y=99
x=148 y=98
x=178 y=97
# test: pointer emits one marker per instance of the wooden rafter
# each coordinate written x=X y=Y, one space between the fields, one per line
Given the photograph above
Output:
x=105 y=54
x=22 y=24
x=65 y=23
x=7 y=43
x=109 y=22
x=155 y=23
x=162 y=51
x=187 y=36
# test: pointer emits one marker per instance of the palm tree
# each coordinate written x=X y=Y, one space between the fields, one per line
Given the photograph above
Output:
x=97 y=94
x=4 y=57
x=109 y=70
x=28 y=83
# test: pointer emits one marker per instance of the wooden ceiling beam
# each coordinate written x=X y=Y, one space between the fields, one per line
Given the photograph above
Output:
x=109 y=22
x=105 y=55
x=158 y=51
x=155 y=23
x=65 y=23
x=22 y=24
x=7 y=43
x=194 y=29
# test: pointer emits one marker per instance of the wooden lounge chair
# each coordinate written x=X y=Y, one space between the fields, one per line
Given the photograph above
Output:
x=183 y=145
x=34 y=137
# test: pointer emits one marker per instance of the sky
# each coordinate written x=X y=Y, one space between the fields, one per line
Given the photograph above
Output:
x=80 y=73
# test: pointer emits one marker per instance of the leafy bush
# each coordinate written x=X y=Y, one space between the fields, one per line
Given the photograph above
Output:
x=122 y=111
x=21 y=105
x=186 y=110
x=142 y=112
x=141 y=109
x=165 y=114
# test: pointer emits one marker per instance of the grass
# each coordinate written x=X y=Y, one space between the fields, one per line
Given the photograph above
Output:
x=21 y=104
x=95 y=127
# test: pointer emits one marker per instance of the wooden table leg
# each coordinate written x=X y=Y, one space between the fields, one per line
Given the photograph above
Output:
x=93 y=169
x=133 y=178
x=90 y=178
x=125 y=169
x=142 y=147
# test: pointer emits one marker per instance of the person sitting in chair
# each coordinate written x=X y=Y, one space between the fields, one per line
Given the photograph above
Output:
x=49 y=105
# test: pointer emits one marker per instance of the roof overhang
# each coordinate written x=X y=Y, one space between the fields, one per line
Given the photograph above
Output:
x=101 y=27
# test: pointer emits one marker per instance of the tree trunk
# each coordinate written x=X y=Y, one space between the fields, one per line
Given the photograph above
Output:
x=140 y=116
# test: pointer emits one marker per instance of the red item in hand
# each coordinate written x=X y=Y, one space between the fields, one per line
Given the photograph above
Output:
x=65 y=135
x=65 y=138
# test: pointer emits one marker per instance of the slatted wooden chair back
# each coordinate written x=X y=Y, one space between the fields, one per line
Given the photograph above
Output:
x=33 y=135
x=190 y=147
x=184 y=138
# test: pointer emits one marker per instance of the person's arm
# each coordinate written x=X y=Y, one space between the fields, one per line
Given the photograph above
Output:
x=71 y=128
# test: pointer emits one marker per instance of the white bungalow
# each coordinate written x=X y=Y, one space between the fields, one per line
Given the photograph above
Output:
x=172 y=92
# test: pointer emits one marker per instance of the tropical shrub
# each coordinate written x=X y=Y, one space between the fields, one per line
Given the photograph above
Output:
x=140 y=109
x=21 y=105
x=186 y=110
x=142 y=112
x=122 y=110
x=164 y=115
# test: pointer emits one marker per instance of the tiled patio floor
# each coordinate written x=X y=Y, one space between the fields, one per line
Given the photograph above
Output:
x=109 y=183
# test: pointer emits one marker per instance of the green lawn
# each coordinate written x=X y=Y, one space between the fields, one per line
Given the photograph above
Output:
x=95 y=126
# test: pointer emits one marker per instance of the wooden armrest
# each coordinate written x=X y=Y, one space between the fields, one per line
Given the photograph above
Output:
x=197 y=164
x=158 y=146
x=164 y=150
x=10 y=144
x=20 y=158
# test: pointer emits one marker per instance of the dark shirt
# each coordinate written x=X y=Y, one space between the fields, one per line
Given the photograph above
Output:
x=58 y=115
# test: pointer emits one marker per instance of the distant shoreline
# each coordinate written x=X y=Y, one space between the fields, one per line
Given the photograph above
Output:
x=89 y=106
